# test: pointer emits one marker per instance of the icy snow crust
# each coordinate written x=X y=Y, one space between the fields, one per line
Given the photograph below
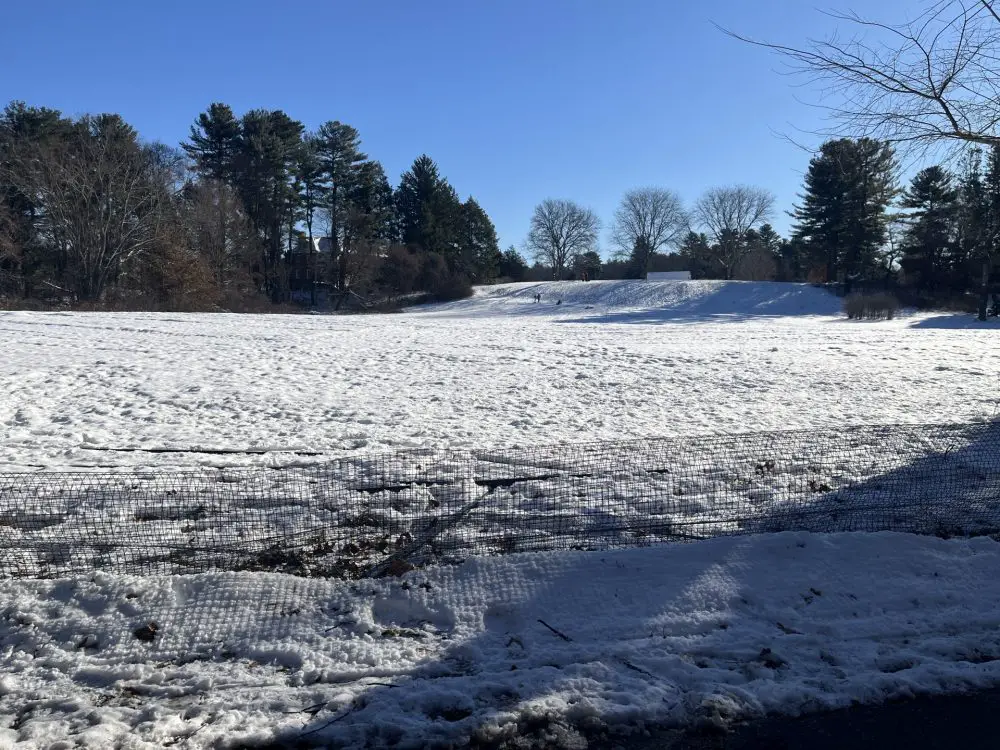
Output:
x=721 y=629
x=614 y=360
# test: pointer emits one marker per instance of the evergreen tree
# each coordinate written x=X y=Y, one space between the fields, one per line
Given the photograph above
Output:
x=215 y=142
x=513 y=266
x=972 y=221
x=429 y=210
x=24 y=252
x=641 y=258
x=792 y=257
x=369 y=223
x=264 y=169
x=370 y=197
x=762 y=261
x=841 y=221
x=588 y=265
x=930 y=240
x=339 y=149
x=767 y=239
x=309 y=187
x=479 y=248
x=991 y=186
x=698 y=257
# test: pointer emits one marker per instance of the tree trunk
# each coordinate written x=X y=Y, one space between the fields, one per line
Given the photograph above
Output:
x=223 y=215
x=334 y=239
x=984 y=293
x=342 y=273
x=312 y=259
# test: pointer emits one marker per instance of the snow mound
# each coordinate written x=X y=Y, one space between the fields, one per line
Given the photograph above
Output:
x=642 y=301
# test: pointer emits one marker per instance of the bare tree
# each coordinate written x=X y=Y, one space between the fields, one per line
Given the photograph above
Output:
x=10 y=254
x=728 y=213
x=922 y=82
x=101 y=199
x=560 y=230
x=647 y=221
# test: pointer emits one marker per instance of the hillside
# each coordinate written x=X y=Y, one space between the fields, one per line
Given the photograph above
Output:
x=629 y=301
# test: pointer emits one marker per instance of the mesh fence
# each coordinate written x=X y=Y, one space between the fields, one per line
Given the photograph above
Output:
x=369 y=515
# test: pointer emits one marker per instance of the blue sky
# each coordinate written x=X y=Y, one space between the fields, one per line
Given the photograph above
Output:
x=517 y=100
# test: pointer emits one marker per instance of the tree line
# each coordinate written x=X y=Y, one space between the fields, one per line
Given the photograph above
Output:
x=255 y=210
x=652 y=231
x=854 y=224
x=249 y=210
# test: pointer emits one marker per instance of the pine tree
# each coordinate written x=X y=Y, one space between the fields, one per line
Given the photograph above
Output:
x=697 y=255
x=214 y=142
x=429 y=210
x=479 y=248
x=985 y=216
x=930 y=241
x=339 y=149
x=972 y=221
x=513 y=266
x=588 y=265
x=24 y=252
x=309 y=186
x=841 y=220
x=264 y=169
x=792 y=262
x=369 y=223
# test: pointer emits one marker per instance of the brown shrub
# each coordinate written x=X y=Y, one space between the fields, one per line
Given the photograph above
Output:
x=871 y=306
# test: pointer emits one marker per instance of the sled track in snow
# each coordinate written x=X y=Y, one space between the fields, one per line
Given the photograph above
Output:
x=371 y=515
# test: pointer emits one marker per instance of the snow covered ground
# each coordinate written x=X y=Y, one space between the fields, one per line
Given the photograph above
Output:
x=551 y=646
x=615 y=359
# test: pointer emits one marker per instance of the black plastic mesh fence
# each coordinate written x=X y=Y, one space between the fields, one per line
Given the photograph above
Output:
x=368 y=515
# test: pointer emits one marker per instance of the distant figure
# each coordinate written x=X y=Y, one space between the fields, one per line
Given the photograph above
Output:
x=559 y=302
x=538 y=298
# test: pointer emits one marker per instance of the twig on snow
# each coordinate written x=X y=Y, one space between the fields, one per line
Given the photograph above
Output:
x=353 y=707
x=313 y=709
x=640 y=670
x=561 y=635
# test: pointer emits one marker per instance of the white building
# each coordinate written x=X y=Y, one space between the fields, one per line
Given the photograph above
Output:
x=668 y=276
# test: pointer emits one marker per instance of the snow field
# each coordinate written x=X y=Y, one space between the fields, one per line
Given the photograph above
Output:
x=552 y=646
x=615 y=360
x=711 y=631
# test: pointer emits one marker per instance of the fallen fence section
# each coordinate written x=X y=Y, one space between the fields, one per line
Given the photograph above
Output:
x=368 y=515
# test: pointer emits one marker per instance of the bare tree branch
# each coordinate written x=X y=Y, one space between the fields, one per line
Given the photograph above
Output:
x=918 y=83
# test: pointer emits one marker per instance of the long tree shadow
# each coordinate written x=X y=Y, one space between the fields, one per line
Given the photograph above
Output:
x=509 y=676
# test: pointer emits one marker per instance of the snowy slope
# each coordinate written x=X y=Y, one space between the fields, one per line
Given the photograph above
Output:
x=668 y=300
x=565 y=642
